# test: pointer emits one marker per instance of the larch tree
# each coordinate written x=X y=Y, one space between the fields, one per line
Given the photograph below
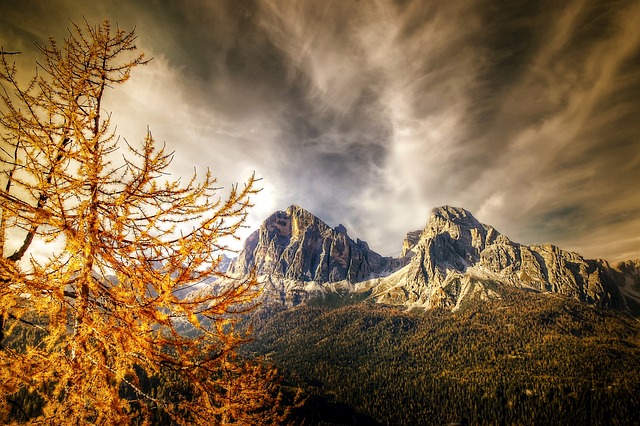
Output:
x=88 y=328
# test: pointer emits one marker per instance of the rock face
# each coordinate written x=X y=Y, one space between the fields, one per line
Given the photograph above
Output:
x=410 y=241
x=295 y=253
x=453 y=261
x=458 y=259
x=626 y=277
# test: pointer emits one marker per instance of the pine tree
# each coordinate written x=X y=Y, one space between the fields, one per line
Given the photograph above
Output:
x=124 y=240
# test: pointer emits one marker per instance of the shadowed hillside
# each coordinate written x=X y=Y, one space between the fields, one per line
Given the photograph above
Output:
x=525 y=359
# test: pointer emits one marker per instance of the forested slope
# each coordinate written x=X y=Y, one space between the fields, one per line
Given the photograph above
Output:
x=525 y=359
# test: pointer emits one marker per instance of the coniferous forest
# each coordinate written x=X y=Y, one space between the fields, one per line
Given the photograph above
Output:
x=526 y=359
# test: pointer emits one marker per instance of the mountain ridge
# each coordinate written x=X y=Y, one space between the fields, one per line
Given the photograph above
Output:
x=453 y=260
x=296 y=255
x=470 y=328
x=458 y=258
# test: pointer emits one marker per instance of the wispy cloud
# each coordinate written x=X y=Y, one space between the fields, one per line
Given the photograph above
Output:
x=570 y=164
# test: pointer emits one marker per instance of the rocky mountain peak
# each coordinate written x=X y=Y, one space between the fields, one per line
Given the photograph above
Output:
x=453 y=214
x=454 y=237
x=454 y=219
x=458 y=259
x=296 y=245
x=298 y=213
x=340 y=229
x=454 y=260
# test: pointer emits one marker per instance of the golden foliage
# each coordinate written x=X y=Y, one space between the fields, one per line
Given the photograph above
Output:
x=124 y=240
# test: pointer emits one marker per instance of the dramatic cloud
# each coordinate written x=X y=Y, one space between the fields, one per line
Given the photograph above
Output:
x=371 y=113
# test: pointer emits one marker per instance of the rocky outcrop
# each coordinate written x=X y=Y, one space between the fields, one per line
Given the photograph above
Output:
x=459 y=259
x=296 y=245
x=295 y=253
x=625 y=276
x=410 y=241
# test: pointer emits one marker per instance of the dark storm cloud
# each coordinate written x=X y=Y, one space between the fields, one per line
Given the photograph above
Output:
x=371 y=113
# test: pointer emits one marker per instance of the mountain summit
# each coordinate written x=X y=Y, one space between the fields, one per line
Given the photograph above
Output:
x=293 y=252
x=458 y=259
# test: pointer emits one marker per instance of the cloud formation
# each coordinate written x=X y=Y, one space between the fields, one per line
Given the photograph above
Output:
x=371 y=113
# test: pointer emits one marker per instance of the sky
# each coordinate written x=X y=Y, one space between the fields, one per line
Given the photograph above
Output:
x=371 y=113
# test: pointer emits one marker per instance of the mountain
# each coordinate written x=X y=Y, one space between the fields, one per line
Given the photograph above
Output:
x=295 y=255
x=454 y=261
x=467 y=327
x=626 y=275
x=458 y=259
x=225 y=263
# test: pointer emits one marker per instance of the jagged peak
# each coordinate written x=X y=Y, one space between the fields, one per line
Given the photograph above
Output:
x=293 y=210
x=457 y=215
x=411 y=240
x=297 y=210
x=445 y=217
x=340 y=229
x=294 y=220
x=299 y=215
x=296 y=245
